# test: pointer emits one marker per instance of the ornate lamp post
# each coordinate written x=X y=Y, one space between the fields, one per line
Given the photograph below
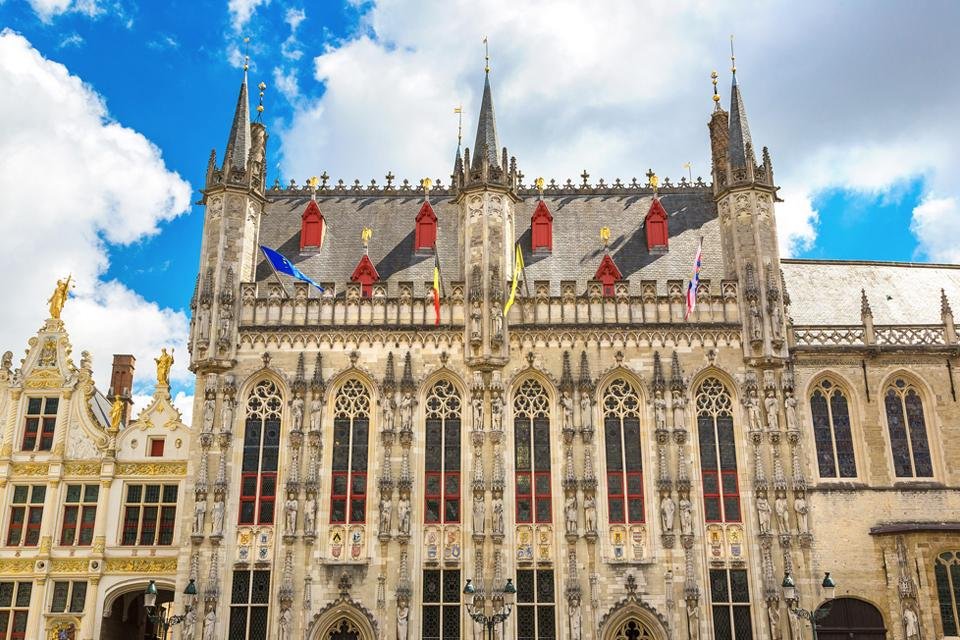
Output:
x=790 y=595
x=156 y=616
x=478 y=612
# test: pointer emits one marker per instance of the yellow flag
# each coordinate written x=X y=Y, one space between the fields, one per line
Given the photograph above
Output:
x=517 y=268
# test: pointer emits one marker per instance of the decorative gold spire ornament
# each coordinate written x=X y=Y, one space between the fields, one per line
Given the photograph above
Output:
x=426 y=184
x=164 y=362
x=689 y=167
x=262 y=87
x=716 y=96
x=486 y=55
x=365 y=236
x=605 y=236
x=733 y=57
x=312 y=184
x=59 y=297
x=459 y=111
x=538 y=183
x=116 y=413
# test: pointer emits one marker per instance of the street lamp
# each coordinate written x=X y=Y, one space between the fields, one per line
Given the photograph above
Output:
x=477 y=613
x=156 y=617
x=790 y=595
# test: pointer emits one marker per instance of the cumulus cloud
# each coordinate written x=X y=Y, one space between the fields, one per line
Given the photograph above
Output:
x=290 y=48
x=74 y=182
x=242 y=10
x=839 y=101
x=936 y=222
x=286 y=83
x=46 y=10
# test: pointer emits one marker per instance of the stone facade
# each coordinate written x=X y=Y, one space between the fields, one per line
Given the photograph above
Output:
x=635 y=473
x=78 y=545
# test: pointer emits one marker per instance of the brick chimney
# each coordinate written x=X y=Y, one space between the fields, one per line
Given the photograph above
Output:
x=121 y=381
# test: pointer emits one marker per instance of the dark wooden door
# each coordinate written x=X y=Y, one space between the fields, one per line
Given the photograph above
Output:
x=850 y=619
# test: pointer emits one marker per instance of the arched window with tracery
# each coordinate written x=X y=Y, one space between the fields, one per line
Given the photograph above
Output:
x=261 y=454
x=908 y=430
x=831 y=431
x=531 y=422
x=947 y=571
x=718 y=453
x=621 y=428
x=351 y=434
x=442 y=459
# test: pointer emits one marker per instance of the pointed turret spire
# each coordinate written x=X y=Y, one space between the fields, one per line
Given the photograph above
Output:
x=740 y=152
x=239 y=141
x=487 y=145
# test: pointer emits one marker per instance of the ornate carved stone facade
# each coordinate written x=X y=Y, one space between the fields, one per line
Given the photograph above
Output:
x=636 y=473
x=90 y=508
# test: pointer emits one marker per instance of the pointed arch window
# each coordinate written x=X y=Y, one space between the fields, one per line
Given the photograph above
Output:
x=947 y=571
x=908 y=430
x=442 y=459
x=351 y=433
x=718 y=453
x=621 y=427
x=831 y=431
x=261 y=454
x=531 y=422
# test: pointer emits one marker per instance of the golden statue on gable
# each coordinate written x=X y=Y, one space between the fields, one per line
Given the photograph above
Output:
x=59 y=297
x=164 y=362
x=116 y=413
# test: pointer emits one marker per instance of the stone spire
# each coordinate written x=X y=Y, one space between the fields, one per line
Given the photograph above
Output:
x=239 y=141
x=740 y=150
x=487 y=144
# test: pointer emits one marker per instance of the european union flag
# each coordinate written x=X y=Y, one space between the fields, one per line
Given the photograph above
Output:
x=282 y=265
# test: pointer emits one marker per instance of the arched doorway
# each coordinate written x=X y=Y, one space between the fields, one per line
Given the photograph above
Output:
x=850 y=619
x=125 y=618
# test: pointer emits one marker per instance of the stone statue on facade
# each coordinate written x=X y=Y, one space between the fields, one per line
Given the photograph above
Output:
x=199 y=516
x=667 y=512
x=772 y=407
x=763 y=514
x=310 y=515
x=296 y=410
x=217 y=516
x=497 y=524
x=756 y=322
x=496 y=317
x=403 y=514
x=389 y=406
x=286 y=624
x=659 y=410
x=203 y=322
x=686 y=516
x=226 y=415
x=496 y=412
x=316 y=414
x=567 y=403
x=790 y=409
x=573 y=612
x=210 y=625
x=570 y=513
x=403 y=619
x=783 y=516
x=586 y=411
x=189 y=624
x=386 y=507
x=773 y=613
x=290 y=508
x=476 y=322
x=911 y=624
x=406 y=412
x=477 y=412
x=209 y=412
x=753 y=412
x=801 y=509
x=776 y=321
x=479 y=514
x=679 y=410
x=590 y=513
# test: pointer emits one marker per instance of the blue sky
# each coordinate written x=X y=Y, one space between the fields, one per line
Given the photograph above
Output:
x=861 y=142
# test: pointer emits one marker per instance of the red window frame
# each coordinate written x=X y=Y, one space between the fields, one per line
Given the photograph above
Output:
x=14 y=614
x=451 y=497
x=264 y=499
x=718 y=474
x=342 y=499
x=539 y=480
x=267 y=500
x=247 y=498
x=76 y=530
x=616 y=496
x=26 y=516
x=443 y=478
x=525 y=497
x=540 y=497
x=356 y=485
x=39 y=426
x=149 y=523
x=358 y=497
x=435 y=497
x=634 y=495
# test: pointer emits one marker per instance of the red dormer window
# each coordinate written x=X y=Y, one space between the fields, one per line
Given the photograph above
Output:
x=656 y=226
x=425 y=238
x=541 y=229
x=608 y=274
x=366 y=274
x=312 y=227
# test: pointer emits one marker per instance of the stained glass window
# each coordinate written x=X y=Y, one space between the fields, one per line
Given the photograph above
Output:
x=718 y=453
x=908 y=431
x=261 y=454
x=26 y=514
x=621 y=423
x=149 y=513
x=351 y=429
x=947 y=571
x=531 y=414
x=14 y=609
x=831 y=431
x=441 y=604
x=536 y=605
x=249 y=605
x=730 y=604
x=442 y=461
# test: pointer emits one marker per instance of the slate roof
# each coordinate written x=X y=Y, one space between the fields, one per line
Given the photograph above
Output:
x=828 y=292
x=577 y=250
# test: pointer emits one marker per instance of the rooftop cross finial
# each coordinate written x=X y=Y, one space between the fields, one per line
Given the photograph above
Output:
x=486 y=55
x=246 y=54
x=459 y=111
x=733 y=58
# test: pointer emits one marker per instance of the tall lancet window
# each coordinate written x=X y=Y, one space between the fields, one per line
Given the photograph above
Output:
x=261 y=452
x=531 y=422
x=351 y=428
x=621 y=429
x=908 y=431
x=442 y=459
x=718 y=452
x=831 y=431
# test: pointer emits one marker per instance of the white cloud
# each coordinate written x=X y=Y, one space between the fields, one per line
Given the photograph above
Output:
x=936 y=222
x=290 y=48
x=181 y=401
x=73 y=181
x=72 y=40
x=286 y=83
x=242 y=10
x=46 y=10
x=582 y=90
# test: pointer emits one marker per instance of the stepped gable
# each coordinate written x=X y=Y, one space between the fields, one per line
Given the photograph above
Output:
x=578 y=216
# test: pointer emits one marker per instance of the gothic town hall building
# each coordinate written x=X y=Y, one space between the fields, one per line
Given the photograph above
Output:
x=629 y=472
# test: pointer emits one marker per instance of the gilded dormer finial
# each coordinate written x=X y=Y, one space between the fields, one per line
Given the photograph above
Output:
x=605 y=236
x=426 y=184
x=312 y=184
x=539 y=184
x=365 y=236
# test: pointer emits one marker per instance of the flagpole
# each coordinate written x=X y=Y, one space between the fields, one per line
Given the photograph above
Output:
x=277 y=276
